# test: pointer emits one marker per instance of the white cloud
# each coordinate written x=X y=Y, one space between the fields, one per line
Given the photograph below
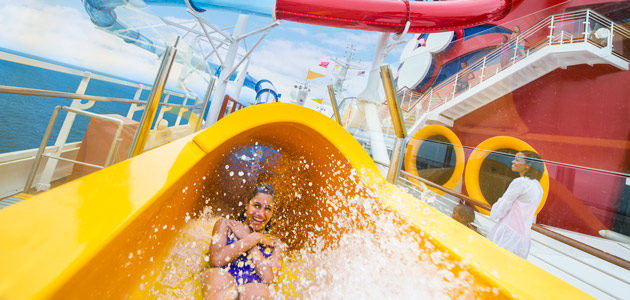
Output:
x=285 y=62
x=361 y=40
x=301 y=31
x=66 y=34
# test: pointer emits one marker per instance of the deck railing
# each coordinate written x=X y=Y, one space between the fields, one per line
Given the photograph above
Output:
x=585 y=26
x=623 y=263
x=83 y=102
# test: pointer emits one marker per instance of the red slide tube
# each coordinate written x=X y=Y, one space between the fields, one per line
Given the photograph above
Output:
x=392 y=16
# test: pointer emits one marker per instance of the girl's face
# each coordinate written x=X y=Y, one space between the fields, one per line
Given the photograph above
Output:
x=259 y=211
x=518 y=164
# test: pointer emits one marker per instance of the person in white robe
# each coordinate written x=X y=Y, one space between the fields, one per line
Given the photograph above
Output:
x=515 y=210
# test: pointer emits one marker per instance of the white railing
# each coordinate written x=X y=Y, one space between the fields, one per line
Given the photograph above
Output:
x=583 y=26
x=83 y=102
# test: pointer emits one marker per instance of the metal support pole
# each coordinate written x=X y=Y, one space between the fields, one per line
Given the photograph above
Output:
x=397 y=122
x=396 y=161
x=206 y=100
x=42 y=147
x=226 y=68
x=240 y=79
x=392 y=101
x=140 y=139
x=333 y=100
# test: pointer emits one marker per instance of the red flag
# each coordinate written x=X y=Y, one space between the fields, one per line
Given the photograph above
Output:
x=323 y=64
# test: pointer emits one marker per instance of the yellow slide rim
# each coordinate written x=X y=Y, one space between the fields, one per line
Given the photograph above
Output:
x=414 y=145
x=477 y=157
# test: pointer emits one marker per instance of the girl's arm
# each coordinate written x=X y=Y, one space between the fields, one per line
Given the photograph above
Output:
x=504 y=204
x=222 y=254
x=267 y=268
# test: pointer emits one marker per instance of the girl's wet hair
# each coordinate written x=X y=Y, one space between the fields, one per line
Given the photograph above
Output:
x=264 y=188
x=537 y=168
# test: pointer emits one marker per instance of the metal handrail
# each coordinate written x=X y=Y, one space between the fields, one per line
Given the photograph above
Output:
x=72 y=71
x=53 y=94
x=236 y=105
x=110 y=155
x=538 y=228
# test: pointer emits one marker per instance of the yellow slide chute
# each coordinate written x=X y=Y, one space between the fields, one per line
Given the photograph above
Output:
x=107 y=235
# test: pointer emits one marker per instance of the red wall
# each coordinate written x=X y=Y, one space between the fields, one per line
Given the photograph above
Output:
x=578 y=116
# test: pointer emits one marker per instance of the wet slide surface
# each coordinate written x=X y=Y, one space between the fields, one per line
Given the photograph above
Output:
x=140 y=228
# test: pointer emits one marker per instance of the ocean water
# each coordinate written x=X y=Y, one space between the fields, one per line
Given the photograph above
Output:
x=24 y=118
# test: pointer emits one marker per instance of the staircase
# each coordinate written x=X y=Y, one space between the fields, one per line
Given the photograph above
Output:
x=558 y=41
x=8 y=201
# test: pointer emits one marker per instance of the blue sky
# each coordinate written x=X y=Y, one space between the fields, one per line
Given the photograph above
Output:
x=61 y=30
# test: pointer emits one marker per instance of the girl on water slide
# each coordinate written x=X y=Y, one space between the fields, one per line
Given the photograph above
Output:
x=244 y=257
x=515 y=210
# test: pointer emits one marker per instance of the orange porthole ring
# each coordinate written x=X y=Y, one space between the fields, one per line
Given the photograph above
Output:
x=477 y=157
x=414 y=145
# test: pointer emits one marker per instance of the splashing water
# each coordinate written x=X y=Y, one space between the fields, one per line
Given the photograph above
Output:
x=379 y=259
x=179 y=278
x=344 y=243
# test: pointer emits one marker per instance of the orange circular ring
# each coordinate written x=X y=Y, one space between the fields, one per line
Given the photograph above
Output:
x=477 y=157
x=414 y=145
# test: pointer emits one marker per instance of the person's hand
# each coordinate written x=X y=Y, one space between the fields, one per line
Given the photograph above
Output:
x=239 y=229
x=269 y=240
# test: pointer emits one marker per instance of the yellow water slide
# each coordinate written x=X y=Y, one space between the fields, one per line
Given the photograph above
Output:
x=112 y=234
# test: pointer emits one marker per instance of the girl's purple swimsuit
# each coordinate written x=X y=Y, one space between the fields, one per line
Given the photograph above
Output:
x=242 y=268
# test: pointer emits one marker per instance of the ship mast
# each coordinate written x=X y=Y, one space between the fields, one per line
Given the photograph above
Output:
x=345 y=66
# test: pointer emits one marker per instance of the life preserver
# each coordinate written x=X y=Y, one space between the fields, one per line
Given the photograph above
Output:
x=414 y=145
x=478 y=156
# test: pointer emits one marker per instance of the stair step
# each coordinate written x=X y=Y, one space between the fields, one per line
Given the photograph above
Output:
x=6 y=202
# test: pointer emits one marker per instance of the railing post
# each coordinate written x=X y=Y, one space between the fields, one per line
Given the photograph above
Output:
x=206 y=100
x=42 y=147
x=515 y=50
x=135 y=107
x=483 y=69
x=610 y=37
x=551 y=30
x=430 y=99
x=587 y=25
x=140 y=139
x=397 y=122
x=455 y=84
x=226 y=99
x=160 y=116
x=180 y=112
x=333 y=101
